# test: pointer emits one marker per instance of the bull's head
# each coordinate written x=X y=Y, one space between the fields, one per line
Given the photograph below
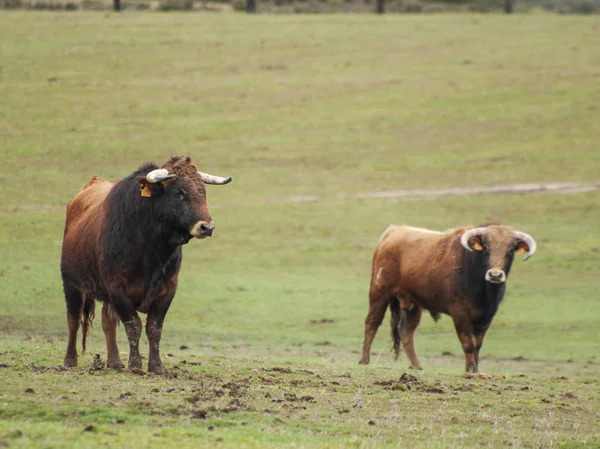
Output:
x=498 y=245
x=179 y=189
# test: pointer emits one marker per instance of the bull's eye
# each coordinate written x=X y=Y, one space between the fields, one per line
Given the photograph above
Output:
x=180 y=194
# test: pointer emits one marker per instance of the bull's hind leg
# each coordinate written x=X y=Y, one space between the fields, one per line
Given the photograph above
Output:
x=74 y=299
x=109 y=326
x=378 y=302
x=411 y=317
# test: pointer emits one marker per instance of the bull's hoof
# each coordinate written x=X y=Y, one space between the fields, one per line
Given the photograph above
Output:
x=70 y=363
x=363 y=362
x=416 y=368
x=477 y=375
x=115 y=364
x=156 y=369
x=135 y=363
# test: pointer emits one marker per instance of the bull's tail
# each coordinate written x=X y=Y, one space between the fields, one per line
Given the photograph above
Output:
x=396 y=322
x=87 y=318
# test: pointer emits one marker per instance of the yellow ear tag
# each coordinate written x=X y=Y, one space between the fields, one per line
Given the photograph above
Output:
x=477 y=246
x=521 y=250
x=145 y=191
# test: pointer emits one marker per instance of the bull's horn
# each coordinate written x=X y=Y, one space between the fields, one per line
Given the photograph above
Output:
x=464 y=240
x=210 y=179
x=529 y=241
x=158 y=175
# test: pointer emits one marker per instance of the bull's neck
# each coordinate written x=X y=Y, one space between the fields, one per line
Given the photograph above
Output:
x=484 y=295
x=134 y=228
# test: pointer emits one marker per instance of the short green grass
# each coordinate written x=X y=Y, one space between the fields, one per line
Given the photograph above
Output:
x=304 y=106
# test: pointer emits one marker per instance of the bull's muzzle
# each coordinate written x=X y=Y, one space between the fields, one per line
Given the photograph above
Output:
x=202 y=229
x=495 y=276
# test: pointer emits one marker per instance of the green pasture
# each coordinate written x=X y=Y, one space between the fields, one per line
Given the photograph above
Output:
x=304 y=112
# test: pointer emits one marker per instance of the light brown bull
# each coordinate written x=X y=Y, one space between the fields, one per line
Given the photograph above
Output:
x=461 y=273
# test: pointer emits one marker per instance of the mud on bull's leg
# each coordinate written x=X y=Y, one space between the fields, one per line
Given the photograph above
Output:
x=154 y=332
x=154 y=323
x=133 y=329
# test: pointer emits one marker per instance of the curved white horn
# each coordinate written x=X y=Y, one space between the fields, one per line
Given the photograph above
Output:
x=529 y=241
x=464 y=240
x=210 y=179
x=158 y=175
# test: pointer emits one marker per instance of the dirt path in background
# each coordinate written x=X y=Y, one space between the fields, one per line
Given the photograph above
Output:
x=424 y=194
x=554 y=188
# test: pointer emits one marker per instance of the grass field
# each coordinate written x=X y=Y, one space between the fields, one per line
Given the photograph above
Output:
x=262 y=342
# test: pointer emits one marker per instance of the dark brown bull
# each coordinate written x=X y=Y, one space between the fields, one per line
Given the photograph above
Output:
x=461 y=273
x=122 y=245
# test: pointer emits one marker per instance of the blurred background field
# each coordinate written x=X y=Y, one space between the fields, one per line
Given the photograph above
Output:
x=575 y=7
x=306 y=113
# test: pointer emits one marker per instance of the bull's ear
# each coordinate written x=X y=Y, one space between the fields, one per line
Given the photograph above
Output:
x=475 y=243
x=145 y=188
x=521 y=247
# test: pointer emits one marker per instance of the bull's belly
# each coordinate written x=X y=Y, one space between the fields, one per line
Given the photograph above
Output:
x=433 y=305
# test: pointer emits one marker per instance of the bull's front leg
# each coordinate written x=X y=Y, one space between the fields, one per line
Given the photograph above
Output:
x=133 y=326
x=464 y=329
x=133 y=329
x=479 y=335
x=154 y=323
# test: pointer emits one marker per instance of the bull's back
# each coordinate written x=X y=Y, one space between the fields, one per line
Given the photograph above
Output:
x=413 y=260
x=82 y=229
x=87 y=201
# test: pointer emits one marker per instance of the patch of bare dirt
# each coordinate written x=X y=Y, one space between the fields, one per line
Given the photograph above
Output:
x=569 y=395
x=43 y=369
x=322 y=321
x=237 y=387
x=465 y=388
x=269 y=380
x=179 y=373
x=483 y=376
x=200 y=414
x=185 y=362
x=408 y=382
x=234 y=405
x=278 y=369
x=293 y=407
